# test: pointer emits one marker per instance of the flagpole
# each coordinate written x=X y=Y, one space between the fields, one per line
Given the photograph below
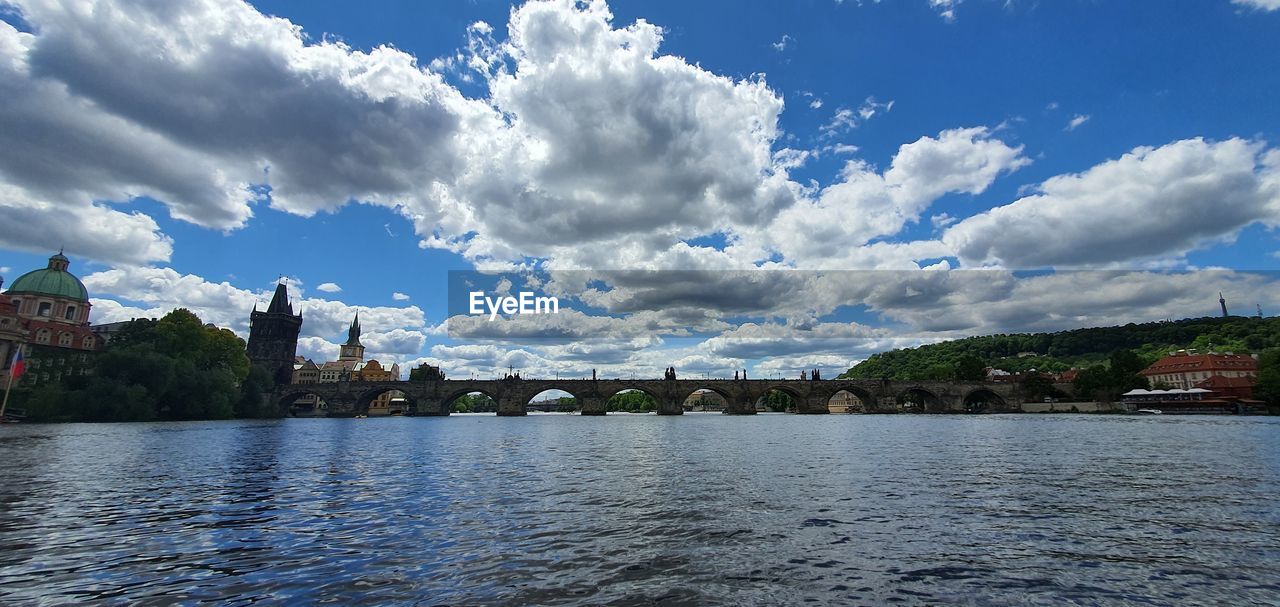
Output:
x=7 y=387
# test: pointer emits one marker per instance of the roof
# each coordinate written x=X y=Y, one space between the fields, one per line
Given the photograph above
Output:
x=53 y=281
x=1185 y=363
x=1219 y=381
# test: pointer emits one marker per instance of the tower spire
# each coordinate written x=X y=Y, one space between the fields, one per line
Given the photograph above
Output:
x=353 y=334
x=280 y=301
x=1222 y=301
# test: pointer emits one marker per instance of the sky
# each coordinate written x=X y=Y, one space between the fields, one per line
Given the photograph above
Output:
x=707 y=185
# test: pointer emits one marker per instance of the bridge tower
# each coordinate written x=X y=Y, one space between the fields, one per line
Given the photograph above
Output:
x=273 y=337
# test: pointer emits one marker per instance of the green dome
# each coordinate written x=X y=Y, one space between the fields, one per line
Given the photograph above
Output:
x=54 y=281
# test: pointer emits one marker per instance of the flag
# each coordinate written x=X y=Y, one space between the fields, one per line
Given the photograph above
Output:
x=17 y=366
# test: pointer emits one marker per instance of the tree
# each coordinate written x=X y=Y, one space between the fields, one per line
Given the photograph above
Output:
x=1093 y=383
x=174 y=368
x=970 y=368
x=1268 y=386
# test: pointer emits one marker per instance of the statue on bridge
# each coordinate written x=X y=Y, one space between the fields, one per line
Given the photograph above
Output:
x=670 y=373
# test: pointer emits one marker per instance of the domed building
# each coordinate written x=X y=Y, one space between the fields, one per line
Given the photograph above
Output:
x=47 y=311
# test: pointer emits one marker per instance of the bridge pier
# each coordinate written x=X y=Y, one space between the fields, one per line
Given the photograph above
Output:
x=592 y=405
x=509 y=405
x=813 y=405
x=742 y=404
x=670 y=406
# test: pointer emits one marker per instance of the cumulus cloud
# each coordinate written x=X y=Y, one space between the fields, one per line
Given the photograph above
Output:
x=329 y=287
x=157 y=291
x=866 y=204
x=1150 y=202
x=398 y=296
x=1076 y=121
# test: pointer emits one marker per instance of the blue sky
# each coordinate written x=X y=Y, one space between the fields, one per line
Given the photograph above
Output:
x=191 y=153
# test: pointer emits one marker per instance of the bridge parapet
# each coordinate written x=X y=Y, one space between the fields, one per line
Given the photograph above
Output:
x=435 y=397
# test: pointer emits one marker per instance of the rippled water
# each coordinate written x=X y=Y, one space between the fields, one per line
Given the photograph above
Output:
x=644 y=510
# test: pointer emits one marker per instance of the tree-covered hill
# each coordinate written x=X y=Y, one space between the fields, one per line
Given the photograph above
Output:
x=1079 y=348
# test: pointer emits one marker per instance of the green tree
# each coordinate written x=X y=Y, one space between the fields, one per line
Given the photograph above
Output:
x=970 y=368
x=1093 y=383
x=1267 y=387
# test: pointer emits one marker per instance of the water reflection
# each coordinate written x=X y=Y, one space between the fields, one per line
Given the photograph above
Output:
x=701 y=509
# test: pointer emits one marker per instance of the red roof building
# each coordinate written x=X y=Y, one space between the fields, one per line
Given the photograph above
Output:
x=1184 y=369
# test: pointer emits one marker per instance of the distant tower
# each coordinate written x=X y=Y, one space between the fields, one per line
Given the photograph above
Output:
x=1259 y=310
x=273 y=337
x=352 y=350
x=1222 y=301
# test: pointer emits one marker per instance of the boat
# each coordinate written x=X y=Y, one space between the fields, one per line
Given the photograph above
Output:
x=1149 y=412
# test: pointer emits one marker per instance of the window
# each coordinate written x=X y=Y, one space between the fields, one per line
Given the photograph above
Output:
x=71 y=313
x=45 y=309
x=88 y=345
x=42 y=336
x=64 y=340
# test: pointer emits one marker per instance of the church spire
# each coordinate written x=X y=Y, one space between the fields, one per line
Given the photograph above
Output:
x=353 y=334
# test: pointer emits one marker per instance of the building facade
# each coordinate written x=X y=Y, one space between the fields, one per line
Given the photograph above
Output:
x=1185 y=369
x=46 y=313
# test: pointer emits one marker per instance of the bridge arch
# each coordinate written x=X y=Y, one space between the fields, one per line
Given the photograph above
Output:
x=366 y=399
x=300 y=402
x=917 y=399
x=611 y=400
x=859 y=400
x=983 y=400
x=793 y=395
x=527 y=396
x=447 y=403
x=718 y=398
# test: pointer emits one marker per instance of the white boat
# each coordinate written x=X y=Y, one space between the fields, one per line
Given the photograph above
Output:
x=1150 y=412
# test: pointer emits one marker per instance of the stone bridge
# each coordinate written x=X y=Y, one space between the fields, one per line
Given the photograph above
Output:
x=435 y=397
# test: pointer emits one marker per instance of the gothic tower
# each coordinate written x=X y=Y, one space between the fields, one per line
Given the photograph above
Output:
x=1222 y=301
x=273 y=337
x=353 y=350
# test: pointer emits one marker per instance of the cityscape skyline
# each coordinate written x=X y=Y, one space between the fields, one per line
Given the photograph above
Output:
x=554 y=136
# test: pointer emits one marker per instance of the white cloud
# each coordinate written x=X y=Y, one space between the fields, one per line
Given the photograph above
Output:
x=945 y=8
x=815 y=104
x=329 y=287
x=1076 y=121
x=782 y=43
x=1150 y=202
x=864 y=204
x=942 y=220
x=398 y=296
x=1263 y=5
x=160 y=290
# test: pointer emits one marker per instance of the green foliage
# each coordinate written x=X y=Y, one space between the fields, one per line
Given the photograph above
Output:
x=254 y=391
x=175 y=368
x=1037 y=386
x=970 y=368
x=778 y=401
x=474 y=403
x=1268 y=386
x=1079 y=348
x=634 y=401
x=1092 y=383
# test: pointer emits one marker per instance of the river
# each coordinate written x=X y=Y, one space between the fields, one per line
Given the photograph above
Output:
x=700 y=509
